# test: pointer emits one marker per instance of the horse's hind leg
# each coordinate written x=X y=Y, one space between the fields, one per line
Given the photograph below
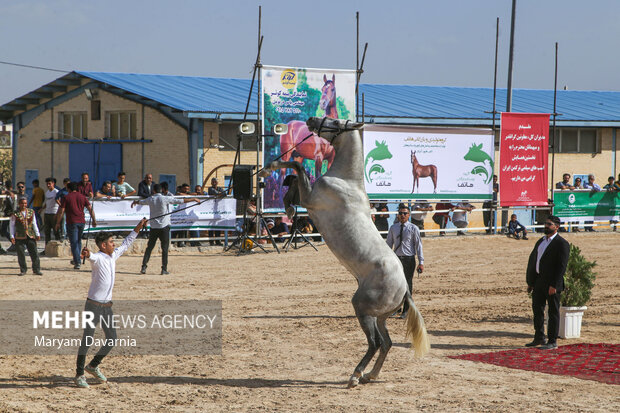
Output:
x=386 y=344
x=369 y=325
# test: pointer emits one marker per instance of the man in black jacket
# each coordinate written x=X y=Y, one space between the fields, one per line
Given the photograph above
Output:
x=145 y=187
x=545 y=280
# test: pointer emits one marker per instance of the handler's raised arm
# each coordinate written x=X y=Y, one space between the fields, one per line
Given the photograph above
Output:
x=140 y=225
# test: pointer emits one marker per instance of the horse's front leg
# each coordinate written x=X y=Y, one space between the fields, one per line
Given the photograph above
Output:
x=303 y=181
x=318 y=167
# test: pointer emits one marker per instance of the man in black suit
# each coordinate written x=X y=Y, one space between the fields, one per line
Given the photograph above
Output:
x=545 y=280
x=145 y=187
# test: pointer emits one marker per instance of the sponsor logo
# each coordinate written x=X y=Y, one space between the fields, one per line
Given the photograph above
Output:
x=288 y=78
x=476 y=154
x=571 y=198
x=379 y=153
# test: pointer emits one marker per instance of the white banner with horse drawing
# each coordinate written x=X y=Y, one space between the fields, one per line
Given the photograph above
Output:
x=428 y=163
x=291 y=96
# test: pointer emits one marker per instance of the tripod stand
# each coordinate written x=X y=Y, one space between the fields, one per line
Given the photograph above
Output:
x=295 y=235
x=244 y=241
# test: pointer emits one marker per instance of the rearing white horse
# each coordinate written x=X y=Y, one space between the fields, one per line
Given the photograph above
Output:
x=338 y=205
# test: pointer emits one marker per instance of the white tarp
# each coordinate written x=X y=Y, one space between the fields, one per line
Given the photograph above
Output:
x=117 y=215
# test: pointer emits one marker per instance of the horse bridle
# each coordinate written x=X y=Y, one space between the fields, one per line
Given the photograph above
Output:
x=338 y=130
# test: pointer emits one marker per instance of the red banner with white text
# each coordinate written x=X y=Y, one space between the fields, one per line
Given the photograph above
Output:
x=524 y=149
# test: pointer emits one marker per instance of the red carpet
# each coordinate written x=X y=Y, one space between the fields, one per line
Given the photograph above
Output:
x=600 y=362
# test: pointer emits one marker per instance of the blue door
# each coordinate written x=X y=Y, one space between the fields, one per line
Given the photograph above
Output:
x=172 y=181
x=86 y=157
x=31 y=175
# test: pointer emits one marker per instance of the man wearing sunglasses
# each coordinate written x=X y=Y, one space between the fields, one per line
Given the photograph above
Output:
x=545 y=280
x=405 y=237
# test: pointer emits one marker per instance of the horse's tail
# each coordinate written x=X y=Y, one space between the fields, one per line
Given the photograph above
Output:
x=416 y=329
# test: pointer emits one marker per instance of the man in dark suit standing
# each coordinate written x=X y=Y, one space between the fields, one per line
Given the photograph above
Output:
x=545 y=280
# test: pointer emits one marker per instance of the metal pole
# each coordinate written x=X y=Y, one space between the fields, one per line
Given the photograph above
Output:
x=259 y=204
x=555 y=113
x=494 y=113
x=357 y=66
x=142 y=136
x=495 y=74
x=613 y=149
x=364 y=108
x=511 y=57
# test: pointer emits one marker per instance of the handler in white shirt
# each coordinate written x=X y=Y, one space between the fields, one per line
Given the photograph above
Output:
x=99 y=300
x=160 y=224
x=51 y=208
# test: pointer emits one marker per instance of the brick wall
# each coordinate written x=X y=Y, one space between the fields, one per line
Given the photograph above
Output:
x=215 y=157
x=168 y=153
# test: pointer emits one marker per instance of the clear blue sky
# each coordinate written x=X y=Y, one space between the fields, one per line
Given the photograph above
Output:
x=439 y=42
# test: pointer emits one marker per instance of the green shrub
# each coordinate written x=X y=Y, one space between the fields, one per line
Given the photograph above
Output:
x=578 y=280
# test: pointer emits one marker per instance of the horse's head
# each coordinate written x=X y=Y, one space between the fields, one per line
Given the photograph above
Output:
x=413 y=158
x=328 y=93
x=329 y=128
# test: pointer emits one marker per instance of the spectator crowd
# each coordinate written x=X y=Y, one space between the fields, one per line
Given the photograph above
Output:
x=57 y=212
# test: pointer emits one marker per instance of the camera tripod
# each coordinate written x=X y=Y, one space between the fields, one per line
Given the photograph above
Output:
x=244 y=242
x=295 y=235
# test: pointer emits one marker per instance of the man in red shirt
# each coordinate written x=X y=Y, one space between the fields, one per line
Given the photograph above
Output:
x=73 y=205
x=442 y=218
x=85 y=187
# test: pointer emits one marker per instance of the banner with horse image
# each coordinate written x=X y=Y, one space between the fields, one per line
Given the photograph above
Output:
x=211 y=214
x=291 y=96
x=524 y=149
x=428 y=163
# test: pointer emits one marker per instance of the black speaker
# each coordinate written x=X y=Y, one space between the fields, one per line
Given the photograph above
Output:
x=242 y=182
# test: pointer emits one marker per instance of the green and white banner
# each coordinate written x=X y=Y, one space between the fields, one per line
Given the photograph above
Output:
x=117 y=215
x=428 y=163
x=586 y=205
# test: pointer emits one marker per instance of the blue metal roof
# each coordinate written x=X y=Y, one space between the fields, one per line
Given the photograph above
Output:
x=471 y=103
x=184 y=93
x=208 y=97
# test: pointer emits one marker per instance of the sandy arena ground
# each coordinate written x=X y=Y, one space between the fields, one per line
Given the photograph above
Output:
x=290 y=339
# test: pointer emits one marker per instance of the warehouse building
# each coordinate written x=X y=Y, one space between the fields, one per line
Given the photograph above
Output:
x=184 y=129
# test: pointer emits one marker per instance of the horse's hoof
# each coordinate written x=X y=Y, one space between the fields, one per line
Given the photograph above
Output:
x=353 y=382
x=365 y=379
